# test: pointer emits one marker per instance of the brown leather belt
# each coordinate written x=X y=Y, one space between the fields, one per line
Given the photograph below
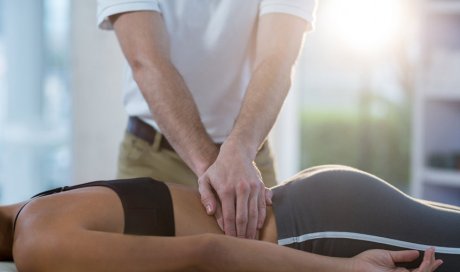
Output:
x=140 y=129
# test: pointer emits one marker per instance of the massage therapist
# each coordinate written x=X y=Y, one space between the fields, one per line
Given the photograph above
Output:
x=204 y=83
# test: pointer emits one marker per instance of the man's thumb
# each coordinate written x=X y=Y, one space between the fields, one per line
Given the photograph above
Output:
x=268 y=196
x=404 y=255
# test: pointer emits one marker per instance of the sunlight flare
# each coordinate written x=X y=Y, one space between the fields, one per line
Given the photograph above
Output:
x=367 y=25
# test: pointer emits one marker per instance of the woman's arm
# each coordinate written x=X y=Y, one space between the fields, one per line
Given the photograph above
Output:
x=230 y=254
x=83 y=250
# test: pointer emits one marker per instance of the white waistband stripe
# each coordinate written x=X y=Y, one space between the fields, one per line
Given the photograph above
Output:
x=365 y=237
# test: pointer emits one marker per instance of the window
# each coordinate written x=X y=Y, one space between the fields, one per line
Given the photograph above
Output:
x=355 y=79
x=34 y=97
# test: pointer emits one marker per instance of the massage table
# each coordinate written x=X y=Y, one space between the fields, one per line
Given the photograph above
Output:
x=7 y=267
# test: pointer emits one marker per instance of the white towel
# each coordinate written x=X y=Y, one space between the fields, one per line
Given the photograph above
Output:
x=7 y=267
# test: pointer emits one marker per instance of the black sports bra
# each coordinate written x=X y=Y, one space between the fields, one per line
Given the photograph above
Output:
x=147 y=204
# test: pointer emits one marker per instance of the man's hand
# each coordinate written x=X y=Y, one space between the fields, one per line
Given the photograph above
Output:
x=235 y=180
x=385 y=261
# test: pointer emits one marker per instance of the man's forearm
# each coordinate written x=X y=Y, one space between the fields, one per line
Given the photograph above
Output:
x=279 y=40
x=175 y=112
x=145 y=44
x=266 y=93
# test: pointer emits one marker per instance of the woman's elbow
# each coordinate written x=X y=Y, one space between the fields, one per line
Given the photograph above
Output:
x=212 y=253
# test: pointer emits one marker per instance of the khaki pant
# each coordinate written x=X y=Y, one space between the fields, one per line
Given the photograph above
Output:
x=138 y=158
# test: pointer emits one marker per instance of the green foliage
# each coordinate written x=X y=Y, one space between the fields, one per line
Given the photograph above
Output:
x=376 y=144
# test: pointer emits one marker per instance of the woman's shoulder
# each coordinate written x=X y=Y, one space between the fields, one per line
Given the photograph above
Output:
x=85 y=207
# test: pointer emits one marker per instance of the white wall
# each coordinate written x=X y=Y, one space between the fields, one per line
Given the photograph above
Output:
x=98 y=116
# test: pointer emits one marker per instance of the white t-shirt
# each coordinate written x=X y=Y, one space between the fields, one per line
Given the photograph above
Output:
x=211 y=46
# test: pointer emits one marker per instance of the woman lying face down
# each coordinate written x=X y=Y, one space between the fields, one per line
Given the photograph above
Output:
x=328 y=218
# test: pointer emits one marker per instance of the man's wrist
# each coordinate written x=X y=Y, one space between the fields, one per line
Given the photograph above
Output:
x=236 y=145
x=207 y=157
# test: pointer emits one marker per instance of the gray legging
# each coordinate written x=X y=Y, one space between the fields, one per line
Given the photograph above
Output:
x=340 y=211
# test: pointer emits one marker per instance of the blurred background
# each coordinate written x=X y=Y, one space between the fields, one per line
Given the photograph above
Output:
x=377 y=87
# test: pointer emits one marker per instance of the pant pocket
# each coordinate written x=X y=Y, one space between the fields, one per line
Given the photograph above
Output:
x=132 y=148
x=265 y=164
